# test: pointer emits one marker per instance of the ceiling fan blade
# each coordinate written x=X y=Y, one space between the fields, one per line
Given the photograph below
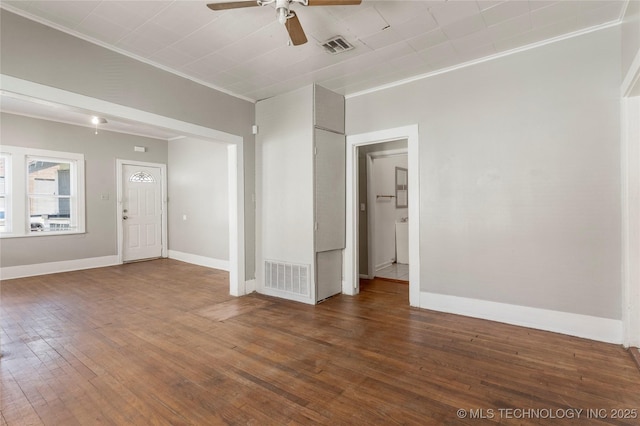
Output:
x=232 y=5
x=334 y=2
x=296 y=33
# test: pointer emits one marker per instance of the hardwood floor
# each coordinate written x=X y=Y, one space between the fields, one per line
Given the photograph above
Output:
x=161 y=342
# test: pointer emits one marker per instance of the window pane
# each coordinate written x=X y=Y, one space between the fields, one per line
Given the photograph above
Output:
x=3 y=181
x=49 y=213
x=142 y=177
x=49 y=195
x=3 y=208
x=49 y=178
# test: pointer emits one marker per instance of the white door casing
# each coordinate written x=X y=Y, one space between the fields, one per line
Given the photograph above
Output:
x=142 y=221
x=351 y=273
x=630 y=168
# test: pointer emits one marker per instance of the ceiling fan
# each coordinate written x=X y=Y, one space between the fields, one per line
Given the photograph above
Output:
x=285 y=15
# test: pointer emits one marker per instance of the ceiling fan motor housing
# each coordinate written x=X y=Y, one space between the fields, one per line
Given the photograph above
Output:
x=282 y=10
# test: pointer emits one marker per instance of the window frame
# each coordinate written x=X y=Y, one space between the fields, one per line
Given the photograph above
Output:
x=8 y=178
x=19 y=184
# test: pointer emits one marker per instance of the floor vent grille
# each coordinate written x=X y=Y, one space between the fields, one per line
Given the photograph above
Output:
x=287 y=277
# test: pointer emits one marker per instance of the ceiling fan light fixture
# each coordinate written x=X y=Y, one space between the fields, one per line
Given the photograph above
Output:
x=285 y=16
x=98 y=120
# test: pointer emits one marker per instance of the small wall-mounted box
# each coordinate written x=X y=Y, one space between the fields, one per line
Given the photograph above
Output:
x=140 y=148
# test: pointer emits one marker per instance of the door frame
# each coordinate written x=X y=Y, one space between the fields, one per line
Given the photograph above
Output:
x=351 y=283
x=630 y=179
x=120 y=163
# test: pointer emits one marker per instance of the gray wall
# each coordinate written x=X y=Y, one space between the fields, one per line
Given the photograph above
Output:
x=101 y=152
x=199 y=189
x=40 y=54
x=519 y=174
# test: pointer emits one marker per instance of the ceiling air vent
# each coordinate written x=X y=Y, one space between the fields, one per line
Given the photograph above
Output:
x=336 y=45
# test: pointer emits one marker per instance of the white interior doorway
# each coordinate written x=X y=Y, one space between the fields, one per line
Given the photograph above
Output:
x=141 y=210
x=383 y=213
x=47 y=94
x=378 y=209
x=351 y=283
x=630 y=165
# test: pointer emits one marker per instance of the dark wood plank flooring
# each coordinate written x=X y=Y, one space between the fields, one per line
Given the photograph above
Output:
x=162 y=342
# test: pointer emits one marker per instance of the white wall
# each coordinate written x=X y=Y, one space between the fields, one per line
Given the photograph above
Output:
x=519 y=175
x=284 y=179
x=198 y=189
x=386 y=213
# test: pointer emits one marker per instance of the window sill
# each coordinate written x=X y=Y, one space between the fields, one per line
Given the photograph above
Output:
x=40 y=234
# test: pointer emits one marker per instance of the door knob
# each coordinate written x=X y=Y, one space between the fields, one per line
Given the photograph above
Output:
x=125 y=217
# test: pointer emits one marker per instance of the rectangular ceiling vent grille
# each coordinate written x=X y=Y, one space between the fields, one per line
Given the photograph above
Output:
x=337 y=45
x=287 y=277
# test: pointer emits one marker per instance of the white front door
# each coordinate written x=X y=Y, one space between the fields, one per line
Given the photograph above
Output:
x=141 y=212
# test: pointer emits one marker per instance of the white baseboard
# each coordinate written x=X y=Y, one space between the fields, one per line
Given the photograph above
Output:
x=589 y=327
x=209 y=262
x=250 y=286
x=21 y=271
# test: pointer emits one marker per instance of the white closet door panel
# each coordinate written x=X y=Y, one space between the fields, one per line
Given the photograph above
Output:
x=329 y=274
x=329 y=110
x=330 y=180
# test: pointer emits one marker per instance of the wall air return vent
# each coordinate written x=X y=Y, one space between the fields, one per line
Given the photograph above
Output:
x=287 y=277
x=336 y=45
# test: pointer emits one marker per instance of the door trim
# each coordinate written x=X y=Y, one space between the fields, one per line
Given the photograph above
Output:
x=630 y=203
x=120 y=163
x=351 y=284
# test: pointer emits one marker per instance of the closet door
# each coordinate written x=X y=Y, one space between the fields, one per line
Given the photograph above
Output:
x=330 y=181
x=328 y=274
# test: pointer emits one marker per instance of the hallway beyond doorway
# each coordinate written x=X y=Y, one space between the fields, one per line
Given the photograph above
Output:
x=395 y=271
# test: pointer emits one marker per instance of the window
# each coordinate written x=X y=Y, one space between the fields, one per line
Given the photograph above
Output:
x=49 y=194
x=142 y=177
x=5 y=217
x=51 y=184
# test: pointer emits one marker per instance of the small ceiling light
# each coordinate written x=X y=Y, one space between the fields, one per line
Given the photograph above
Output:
x=98 y=120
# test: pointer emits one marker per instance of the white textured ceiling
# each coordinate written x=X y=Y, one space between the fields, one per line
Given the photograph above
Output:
x=245 y=51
